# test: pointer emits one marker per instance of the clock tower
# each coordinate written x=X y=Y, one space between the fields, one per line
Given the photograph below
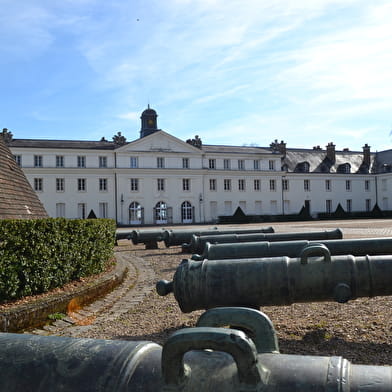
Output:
x=149 y=122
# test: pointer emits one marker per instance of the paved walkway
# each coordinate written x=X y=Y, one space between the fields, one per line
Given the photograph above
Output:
x=139 y=282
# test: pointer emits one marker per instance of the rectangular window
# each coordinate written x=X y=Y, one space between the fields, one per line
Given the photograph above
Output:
x=306 y=185
x=185 y=163
x=186 y=184
x=328 y=206
x=271 y=165
x=384 y=186
x=134 y=184
x=272 y=184
x=161 y=184
x=226 y=164
x=81 y=184
x=18 y=159
x=211 y=164
x=256 y=185
x=285 y=184
x=37 y=160
x=160 y=162
x=227 y=184
x=212 y=184
x=348 y=185
x=256 y=164
x=368 y=204
x=82 y=210
x=367 y=185
x=103 y=210
x=134 y=162
x=241 y=185
x=103 y=161
x=241 y=164
x=60 y=185
x=81 y=160
x=60 y=210
x=103 y=184
x=38 y=184
x=59 y=161
x=348 y=205
x=327 y=185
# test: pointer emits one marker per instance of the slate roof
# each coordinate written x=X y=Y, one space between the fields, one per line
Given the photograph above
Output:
x=66 y=144
x=17 y=198
x=235 y=149
x=383 y=162
x=319 y=163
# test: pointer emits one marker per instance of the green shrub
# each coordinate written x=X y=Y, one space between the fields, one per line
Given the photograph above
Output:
x=41 y=254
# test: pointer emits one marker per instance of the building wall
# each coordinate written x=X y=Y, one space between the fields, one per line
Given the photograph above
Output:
x=255 y=187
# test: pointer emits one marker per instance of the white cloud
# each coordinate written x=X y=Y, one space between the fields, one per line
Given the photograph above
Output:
x=129 y=116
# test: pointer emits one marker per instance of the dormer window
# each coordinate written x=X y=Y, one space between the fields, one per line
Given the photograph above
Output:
x=303 y=167
x=344 y=168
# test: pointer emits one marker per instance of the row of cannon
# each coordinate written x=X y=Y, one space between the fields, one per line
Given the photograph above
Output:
x=194 y=240
x=233 y=346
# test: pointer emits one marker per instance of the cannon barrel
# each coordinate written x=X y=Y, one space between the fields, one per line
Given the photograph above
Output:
x=124 y=235
x=175 y=237
x=278 y=280
x=206 y=357
x=48 y=363
x=179 y=237
x=243 y=250
x=198 y=243
x=148 y=237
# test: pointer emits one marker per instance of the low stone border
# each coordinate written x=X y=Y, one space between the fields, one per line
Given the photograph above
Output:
x=36 y=314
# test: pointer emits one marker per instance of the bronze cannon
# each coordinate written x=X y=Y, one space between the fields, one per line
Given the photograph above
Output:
x=204 y=358
x=244 y=250
x=198 y=243
x=176 y=237
x=149 y=238
x=278 y=280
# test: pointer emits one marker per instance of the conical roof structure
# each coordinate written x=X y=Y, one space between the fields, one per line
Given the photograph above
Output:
x=17 y=198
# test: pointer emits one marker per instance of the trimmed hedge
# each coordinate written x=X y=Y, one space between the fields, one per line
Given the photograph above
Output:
x=37 y=255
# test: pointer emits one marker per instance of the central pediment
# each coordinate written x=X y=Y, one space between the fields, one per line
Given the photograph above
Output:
x=159 y=141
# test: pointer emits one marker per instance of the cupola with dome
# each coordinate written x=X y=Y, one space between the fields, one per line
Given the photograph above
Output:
x=149 y=122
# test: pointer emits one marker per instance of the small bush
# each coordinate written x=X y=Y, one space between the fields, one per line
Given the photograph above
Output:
x=38 y=255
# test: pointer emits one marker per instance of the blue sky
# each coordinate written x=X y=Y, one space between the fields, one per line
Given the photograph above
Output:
x=240 y=73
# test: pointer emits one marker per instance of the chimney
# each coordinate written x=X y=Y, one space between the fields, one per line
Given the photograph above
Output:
x=366 y=155
x=282 y=147
x=331 y=152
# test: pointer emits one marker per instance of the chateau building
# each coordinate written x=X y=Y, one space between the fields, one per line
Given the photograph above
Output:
x=160 y=179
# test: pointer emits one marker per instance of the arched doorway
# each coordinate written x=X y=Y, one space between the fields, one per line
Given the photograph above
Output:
x=160 y=213
x=186 y=212
x=135 y=213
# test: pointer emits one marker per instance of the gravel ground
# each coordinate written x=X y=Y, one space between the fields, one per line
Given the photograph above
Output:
x=360 y=331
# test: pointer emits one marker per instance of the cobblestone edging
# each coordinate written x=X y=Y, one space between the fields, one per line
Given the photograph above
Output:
x=36 y=313
x=138 y=283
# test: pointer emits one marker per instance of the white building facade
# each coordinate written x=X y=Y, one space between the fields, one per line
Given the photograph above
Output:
x=160 y=179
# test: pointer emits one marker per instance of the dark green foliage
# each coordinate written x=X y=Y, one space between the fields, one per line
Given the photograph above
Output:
x=40 y=254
